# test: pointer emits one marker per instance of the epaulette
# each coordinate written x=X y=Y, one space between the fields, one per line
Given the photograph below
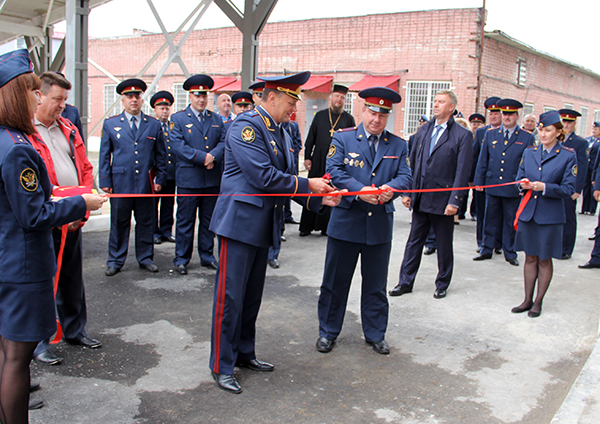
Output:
x=114 y=116
x=535 y=147
x=490 y=129
x=347 y=129
x=17 y=136
x=252 y=113
x=570 y=149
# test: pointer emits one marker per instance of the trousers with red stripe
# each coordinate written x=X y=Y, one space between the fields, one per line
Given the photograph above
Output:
x=238 y=293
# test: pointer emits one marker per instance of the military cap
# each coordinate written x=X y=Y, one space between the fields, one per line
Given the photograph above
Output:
x=549 y=118
x=242 y=98
x=569 y=114
x=289 y=84
x=198 y=84
x=457 y=114
x=162 y=98
x=257 y=87
x=491 y=104
x=380 y=99
x=477 y=117
x=596 y=124
x=131 y=85
x=423 y=118
x=13 y=64
x=339 y=88
x=509 y=105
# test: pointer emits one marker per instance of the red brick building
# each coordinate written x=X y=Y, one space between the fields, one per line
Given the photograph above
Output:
x=416 y=53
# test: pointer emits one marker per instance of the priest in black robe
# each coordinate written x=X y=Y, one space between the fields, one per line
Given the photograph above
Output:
x=322 y=129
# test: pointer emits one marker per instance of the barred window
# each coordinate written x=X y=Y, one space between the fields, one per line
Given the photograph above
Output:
x=528 y=109
x=521 y=72
x=419 y=101
x=181 y=97
x=110 y=97
x=349 y=103
x=583 y=121
x=146 y=108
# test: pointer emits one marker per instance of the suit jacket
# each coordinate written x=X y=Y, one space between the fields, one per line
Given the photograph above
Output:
x=499 y=160
x=258 y=160
x=449 y=165
x=171 y=156
x=125 y=161
x=351 y=166
x=580 y=146
x=477 y=142
x=558 y=171
x=192 y=141
x=72 y=114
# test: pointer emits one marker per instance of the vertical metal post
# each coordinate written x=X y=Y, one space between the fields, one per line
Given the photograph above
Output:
x=249 y=46
x=480 y=56
x=76 y=55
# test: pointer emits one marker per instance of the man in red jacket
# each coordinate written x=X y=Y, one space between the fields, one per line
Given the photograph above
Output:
x=60 y=145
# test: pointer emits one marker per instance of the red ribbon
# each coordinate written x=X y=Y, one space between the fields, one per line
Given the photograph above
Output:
x=63 y=237
x=522 y=205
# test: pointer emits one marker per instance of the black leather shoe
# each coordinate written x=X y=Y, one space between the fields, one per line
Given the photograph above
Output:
x=380 y=347
x=255 y=365
x=227 y=382
x=324 y=345
x=111 y=270
x=283 y=238
x=565 y=257
x=592 y=237
x=588 y=265
x=86 y=342
x=429 y=251
x=157 y=240
x=150 y=267
x=304 y=233
x=534 y=314
x=35 y=404
x=48 y=357
x=34 y=387
x=519 y=309
x=513 y=261
x=181 y=269
x=170 y=239
x=292 y=221
x=213 y=265
x=439 y=294
x=400 y=289
x=274 y=263
x=497 y=250
x=482 y=257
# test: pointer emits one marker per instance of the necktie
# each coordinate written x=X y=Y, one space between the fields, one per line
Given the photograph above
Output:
x=164 y=128
x=506 y=135
x=434 y=138
x=134 y=127
x=372 y=139
x=544 y=154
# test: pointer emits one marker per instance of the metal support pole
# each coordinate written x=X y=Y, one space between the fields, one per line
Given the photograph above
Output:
x=76 y=55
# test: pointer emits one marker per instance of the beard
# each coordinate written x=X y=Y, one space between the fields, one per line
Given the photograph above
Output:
x=337 y=109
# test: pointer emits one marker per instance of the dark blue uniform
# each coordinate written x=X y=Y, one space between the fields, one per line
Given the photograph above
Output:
x=570 y=231
x=499 y=163
x=125 y=163
x=192 y=140
x=357 y=227
x=164 y=220
x=595 y=257
x=72 y=114
x=589 y=204
x=258 y=159
x=27 y=257
x=541 y=221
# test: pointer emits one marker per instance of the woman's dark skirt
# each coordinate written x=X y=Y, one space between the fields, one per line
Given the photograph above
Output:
x=544 y=241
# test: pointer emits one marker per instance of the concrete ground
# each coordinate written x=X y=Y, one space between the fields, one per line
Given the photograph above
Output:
x=463 y=359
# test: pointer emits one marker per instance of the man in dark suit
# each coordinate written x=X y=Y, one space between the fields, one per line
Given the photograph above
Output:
x=132 y=146
x=440 y=158
x=498 y=163
x=594 y=261
x=572 y=140
x=197 y=137
x=258 y=161
x=589 y=204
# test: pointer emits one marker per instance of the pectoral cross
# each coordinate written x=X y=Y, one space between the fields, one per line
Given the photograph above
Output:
x=332 y=132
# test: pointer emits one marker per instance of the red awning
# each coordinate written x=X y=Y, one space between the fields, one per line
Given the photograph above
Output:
x=220 y=82
x=319 y=83
x=372 y=81
x=233 y=86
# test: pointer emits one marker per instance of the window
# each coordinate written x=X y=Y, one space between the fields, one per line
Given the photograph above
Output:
x=349 y=103
x=568 y=106
x=147 y=109
x=528 y=109
x=419 y=101
x=583 y=121
x=521 y=72
x=110 y=97
x=548 y=108
x=181 y=98
x=596 y=115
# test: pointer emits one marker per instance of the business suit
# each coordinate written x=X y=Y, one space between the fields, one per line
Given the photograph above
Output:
x=163 y=214
x=357 y=227
x=125 y=162
x=570 y=231
x=448 y=165
x=192 y=140
x=589 y=204
x=498 y=163
x=258 y=160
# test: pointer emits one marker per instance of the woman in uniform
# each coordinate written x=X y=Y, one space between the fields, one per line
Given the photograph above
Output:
x=549 y=171
x=27 y=260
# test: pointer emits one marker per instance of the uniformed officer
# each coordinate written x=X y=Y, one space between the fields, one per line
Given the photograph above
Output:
x=362 y=159
x=477 y=120
x=161 y=102
x=132 y=148
x=257 y=91
x=498 y=163
x=197 y=137
x=242 y=102
x=589 y=204
x=572 y=140
x=258 y=160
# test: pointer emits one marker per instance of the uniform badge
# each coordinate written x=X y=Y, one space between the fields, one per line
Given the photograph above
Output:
x=505 y=142
x=190 y=130
x=574 y=170
x=172 y=125
x=332 y=151
x=408 y=161
x=118 y=135
x=346 y=161
x=362 y=163
x=494 y=142
x=351 y=163
x=29 y=180
x=117 y=129
x=275 y=150
x=353 y=155
x=248 y=134
x=189 y=125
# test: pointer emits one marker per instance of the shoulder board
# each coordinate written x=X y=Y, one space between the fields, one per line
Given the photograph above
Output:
x=347 y=129
x=17 y=137
x=569 y=149
x=252 y=113
x=490 y=129
x=114 y=116
x=532 y=147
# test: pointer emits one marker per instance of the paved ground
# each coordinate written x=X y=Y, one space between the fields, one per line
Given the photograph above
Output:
x=462 y=359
